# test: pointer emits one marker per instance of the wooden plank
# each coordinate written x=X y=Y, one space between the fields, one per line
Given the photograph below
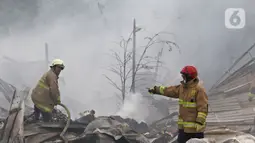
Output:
x=224 y=103
x=9 y=122
x=224 y=109
x=18 y=128
x=236 y=117
x=226 y=100
x=249 y=110
x=8 y=127
x=226 y=106
x=14 y=128
x=237 y=87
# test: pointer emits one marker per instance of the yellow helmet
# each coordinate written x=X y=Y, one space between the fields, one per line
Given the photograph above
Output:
x=57 y=62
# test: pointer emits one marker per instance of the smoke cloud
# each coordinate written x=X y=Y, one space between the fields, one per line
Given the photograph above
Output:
x=83 y=32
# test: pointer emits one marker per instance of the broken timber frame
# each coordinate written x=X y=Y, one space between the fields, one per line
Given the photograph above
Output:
x=14 y=128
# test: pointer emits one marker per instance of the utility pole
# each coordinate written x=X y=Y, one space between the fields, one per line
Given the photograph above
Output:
x=134 y=54
x=158 y=61
x=46 y=56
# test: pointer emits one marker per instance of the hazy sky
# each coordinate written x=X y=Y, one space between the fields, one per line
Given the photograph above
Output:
x=82 y=36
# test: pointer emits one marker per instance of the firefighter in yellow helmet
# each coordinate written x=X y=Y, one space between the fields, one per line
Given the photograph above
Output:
x=46 y=94
x=193 y=104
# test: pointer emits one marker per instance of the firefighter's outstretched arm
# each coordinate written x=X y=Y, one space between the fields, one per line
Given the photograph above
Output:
x=171 y=91
x=202 y=107
x=54 y=89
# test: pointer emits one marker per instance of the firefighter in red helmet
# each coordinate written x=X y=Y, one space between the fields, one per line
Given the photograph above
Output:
x=193 y=104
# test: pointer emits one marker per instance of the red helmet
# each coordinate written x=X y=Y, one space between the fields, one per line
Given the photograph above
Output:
x=191 y=71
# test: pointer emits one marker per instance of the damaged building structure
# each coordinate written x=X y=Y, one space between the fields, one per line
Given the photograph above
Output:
x=230 y=119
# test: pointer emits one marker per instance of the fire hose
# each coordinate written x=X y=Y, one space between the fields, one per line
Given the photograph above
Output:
x=67 y=123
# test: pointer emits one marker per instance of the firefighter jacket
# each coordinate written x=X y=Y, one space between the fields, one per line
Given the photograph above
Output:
x=46 y=93
x=193 y=105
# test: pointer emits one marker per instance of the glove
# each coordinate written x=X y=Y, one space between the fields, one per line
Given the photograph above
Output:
x=152 y=90
x=157 y=90
x=201 y=118
x=199 y=127
x=200 y=121
x=58 y=101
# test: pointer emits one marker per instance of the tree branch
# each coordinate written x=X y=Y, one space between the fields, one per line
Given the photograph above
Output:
x=145 y=50
x=115 y=71
x=152 y=42
x=116 y=55
x=113 y=83
x=123 y=62
x=118 y=96
x=127 y=75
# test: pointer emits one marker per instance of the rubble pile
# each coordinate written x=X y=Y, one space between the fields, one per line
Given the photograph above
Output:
x=117 y=131
x=161 y=131
x=141 y=127
x=86 y=119
x=57 y=116
x=102 y=129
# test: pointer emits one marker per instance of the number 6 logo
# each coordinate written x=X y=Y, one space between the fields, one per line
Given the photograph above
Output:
x=234 y=18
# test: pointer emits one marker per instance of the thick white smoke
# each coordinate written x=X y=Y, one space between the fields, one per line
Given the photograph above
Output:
x=80 y=34
x=136 y=106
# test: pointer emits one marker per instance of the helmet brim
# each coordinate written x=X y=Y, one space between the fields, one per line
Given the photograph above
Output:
x=61 y=66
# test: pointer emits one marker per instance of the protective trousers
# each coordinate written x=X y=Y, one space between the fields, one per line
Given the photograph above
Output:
x=45 y=115
x=184 y=137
